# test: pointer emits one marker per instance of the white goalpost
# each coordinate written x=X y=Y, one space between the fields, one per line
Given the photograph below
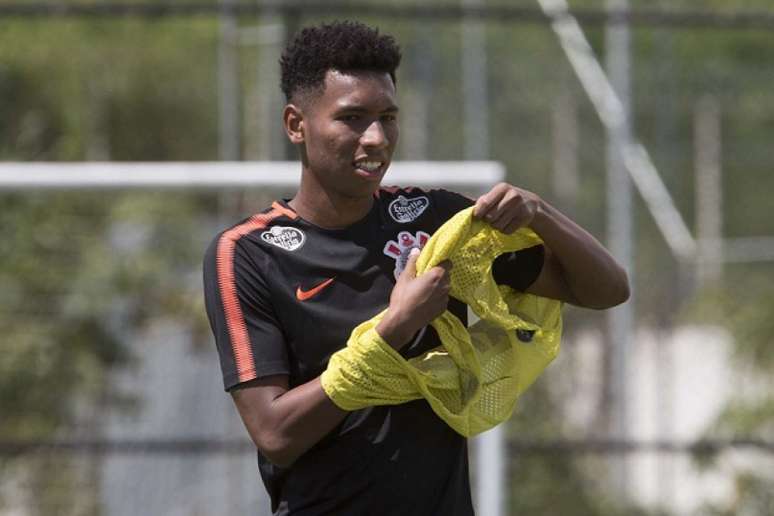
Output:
x=476 y=176
x=471 y=177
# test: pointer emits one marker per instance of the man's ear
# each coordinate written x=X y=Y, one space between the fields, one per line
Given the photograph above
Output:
x=293 y=120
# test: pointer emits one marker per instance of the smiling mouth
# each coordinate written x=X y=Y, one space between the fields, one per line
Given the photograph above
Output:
x=370 y=167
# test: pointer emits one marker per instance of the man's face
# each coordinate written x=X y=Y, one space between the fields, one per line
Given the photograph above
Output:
x=350 y=131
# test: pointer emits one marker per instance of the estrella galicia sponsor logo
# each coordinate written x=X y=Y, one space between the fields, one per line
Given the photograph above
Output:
x=400 y=248
x=286 y=238
x=406 y=210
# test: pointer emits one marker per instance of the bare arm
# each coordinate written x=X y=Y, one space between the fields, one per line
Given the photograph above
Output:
x=577 y=268
x=284 y=423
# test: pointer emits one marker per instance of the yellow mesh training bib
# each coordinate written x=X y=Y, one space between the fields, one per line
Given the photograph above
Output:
x=473 y=381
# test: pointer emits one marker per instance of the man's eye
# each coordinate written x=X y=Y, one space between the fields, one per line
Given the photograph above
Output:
x=350 y=118
x=389 y=118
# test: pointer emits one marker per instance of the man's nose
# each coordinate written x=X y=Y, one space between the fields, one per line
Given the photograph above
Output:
x=374 y=136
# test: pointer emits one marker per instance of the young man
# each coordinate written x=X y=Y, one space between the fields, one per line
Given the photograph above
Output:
x=285 y=288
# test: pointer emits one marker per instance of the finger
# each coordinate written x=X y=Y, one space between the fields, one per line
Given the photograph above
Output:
x=513 y=207
x=517 y=214
x=485 y=205
x=445 y=285
x=439 y=275
x=411 y=263
x=446 y=265
x=509 y=200
x=517 y=209
x=489 y=201
x=435 y=276
x=444 y=277
x=513 y=226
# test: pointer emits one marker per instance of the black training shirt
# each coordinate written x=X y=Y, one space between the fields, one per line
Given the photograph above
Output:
x=283 y=295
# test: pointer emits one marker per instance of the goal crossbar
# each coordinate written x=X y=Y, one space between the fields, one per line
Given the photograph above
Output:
x=479 y=175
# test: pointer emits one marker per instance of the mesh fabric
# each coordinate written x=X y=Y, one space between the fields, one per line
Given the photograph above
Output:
x=474 y=379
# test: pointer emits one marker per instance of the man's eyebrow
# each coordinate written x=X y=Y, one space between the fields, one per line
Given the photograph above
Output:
x=351 y=108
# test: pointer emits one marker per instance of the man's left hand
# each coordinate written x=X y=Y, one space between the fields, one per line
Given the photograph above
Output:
x=507 y=207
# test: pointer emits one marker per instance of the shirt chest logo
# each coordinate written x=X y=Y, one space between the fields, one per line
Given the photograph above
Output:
x=285 y=238
x=399 y=249
x=406 y=210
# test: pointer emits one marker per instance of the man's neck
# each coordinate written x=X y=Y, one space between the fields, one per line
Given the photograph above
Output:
x=329 y=211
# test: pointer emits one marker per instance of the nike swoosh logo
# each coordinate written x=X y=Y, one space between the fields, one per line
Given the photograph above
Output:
x=303 y=295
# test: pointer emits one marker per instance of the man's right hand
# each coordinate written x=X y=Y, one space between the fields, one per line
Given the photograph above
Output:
x=415 y=301
x=284 y=422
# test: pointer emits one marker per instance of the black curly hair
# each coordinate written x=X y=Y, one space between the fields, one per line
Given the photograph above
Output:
x=345 y=46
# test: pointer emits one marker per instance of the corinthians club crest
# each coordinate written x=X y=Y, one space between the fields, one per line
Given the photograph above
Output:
x=406 y=210
x=399 y=250
x=286 y=238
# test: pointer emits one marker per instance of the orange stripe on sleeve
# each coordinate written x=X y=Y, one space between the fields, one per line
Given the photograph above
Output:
x=235 y=320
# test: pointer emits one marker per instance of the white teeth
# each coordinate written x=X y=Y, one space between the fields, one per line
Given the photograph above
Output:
x=370 y=166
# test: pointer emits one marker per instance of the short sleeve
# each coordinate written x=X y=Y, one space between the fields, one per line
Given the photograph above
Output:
x=519 y=269
x=247 y=334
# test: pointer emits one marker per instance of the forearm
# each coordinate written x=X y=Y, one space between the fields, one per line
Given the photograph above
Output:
x=395 y=329
x=592 y=276
x=286 y=423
